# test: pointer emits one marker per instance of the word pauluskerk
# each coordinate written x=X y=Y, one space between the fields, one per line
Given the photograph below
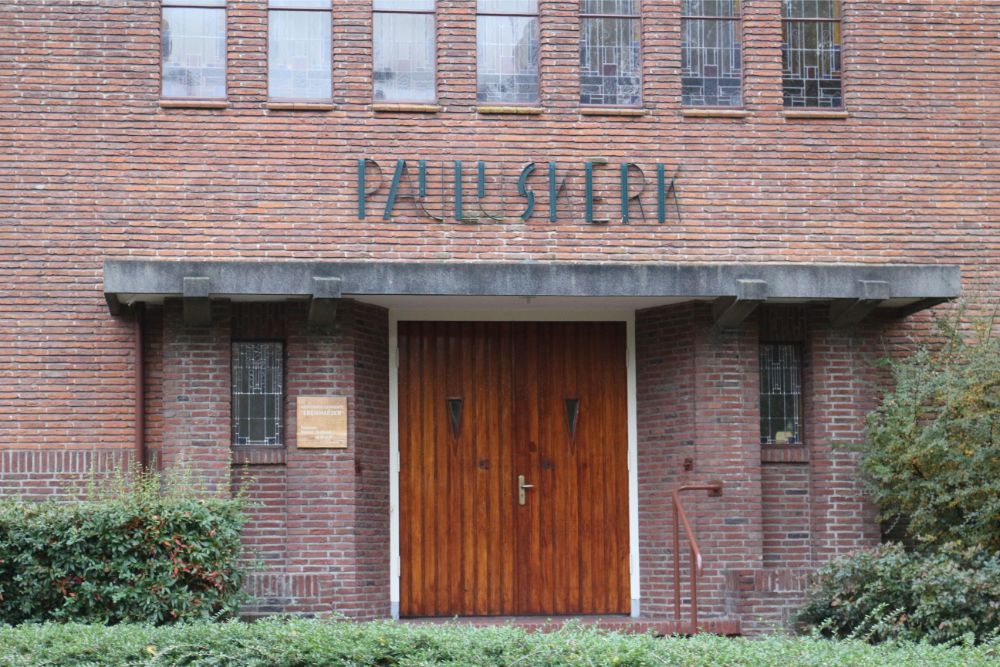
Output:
x=476 y=192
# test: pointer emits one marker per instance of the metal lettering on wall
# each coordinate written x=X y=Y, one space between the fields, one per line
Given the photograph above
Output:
x=592 y=192
x=322 y=422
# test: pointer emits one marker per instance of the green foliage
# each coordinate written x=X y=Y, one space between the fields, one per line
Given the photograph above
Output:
x=139 y=551
x=301 y=643
x=932 y=455
x=939 y=596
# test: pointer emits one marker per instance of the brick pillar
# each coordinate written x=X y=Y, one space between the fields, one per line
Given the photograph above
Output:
x=697 y=402
x=338 y=499
x=665 y=391
x=196 y=388
x=370 y=326
x=727 y=426
x=840 y=390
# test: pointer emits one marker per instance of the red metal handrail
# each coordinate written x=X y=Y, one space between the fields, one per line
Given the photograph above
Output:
x=697 y=564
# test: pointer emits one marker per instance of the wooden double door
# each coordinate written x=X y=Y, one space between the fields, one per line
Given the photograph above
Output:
x=513 y=468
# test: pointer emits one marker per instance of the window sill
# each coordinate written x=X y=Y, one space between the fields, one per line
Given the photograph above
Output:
x=260 y=456
x=193 y=104
x=816 y=114
x=611 y=111
x=784 y=454
x=708 y=112
x=524 y=111
x=406 y=108
x=300 y=106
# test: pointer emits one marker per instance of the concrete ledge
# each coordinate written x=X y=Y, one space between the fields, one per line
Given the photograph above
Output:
x=131 y=280
x=406 y=108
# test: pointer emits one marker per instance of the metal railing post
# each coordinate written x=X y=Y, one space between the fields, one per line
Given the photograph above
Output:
x=697 y=563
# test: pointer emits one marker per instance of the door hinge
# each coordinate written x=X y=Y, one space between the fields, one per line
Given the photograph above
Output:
x=396 y=360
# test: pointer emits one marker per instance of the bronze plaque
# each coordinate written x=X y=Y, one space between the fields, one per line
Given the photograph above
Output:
x=322 y=422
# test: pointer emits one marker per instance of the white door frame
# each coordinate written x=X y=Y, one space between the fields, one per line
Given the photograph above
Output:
x=526 y=315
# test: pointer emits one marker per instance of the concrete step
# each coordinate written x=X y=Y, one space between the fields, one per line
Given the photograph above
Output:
x=659 y=626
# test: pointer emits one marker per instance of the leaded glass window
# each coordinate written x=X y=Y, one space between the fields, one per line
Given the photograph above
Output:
x=507 y=51
x=711 y=53
x=404 y=46
x=298 y=50
x=811 y=53
x=193 y=49
x=610 y=53
x=780 y=394
x=258 y=393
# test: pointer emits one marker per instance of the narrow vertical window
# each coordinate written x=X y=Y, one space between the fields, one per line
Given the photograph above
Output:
x=610 y=53
x=193 y=49
x=298 y=50
x=711 y=53
x=780 y=394
x=811 y=53
x=258 y=393
x=507 y=51
x=404 y=48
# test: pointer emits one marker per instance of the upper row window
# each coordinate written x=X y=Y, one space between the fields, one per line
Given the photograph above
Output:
x=507 y=51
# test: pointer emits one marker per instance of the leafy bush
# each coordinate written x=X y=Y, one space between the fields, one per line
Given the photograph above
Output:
x=890 y=593
x=135 y=555
x=932 y=455
x=300 y=643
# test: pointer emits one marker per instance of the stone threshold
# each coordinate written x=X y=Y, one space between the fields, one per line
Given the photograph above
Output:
x=727 y=627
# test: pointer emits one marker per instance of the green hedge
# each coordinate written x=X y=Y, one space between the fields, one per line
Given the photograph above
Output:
x=137 y=557
x=300 y=643
x=891 y=593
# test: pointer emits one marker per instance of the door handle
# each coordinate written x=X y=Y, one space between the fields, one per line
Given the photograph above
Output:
x=521 y=486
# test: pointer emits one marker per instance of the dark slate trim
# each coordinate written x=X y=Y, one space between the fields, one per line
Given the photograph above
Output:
x=150 y=279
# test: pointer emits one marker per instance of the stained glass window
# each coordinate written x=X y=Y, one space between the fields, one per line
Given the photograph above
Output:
x=257 y=393
x=811 y=53
x=404 y=45
x=298 y=50
x=193 y=49
x=711 y=53
x=610 y=53
x=780 y=394
x=507 y=51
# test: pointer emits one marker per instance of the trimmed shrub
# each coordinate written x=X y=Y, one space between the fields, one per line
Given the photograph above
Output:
x=134 y=556
x=892 y=594
x=301 y=643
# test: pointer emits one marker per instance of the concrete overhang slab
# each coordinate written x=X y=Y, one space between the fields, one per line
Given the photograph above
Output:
x=900 y=286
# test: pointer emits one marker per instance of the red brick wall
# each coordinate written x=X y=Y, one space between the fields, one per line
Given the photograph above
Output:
x=319 y=519
x=196 y=397
x=96 y=169
x=664 y=343
x=697 y=403
x=784 y=510
x=787 y=524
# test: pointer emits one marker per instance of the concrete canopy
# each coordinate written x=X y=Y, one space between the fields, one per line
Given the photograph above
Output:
x=853 y=290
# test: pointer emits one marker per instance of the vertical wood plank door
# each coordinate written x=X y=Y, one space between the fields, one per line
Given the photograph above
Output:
x=481 y=403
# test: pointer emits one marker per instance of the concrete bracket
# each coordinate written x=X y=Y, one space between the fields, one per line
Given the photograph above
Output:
x=731 y=311
x=197 y=305
x=114 y=304
x=326 y=296
x=846 y=313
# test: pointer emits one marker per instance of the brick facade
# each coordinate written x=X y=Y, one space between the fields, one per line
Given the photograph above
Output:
x=94 y=168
